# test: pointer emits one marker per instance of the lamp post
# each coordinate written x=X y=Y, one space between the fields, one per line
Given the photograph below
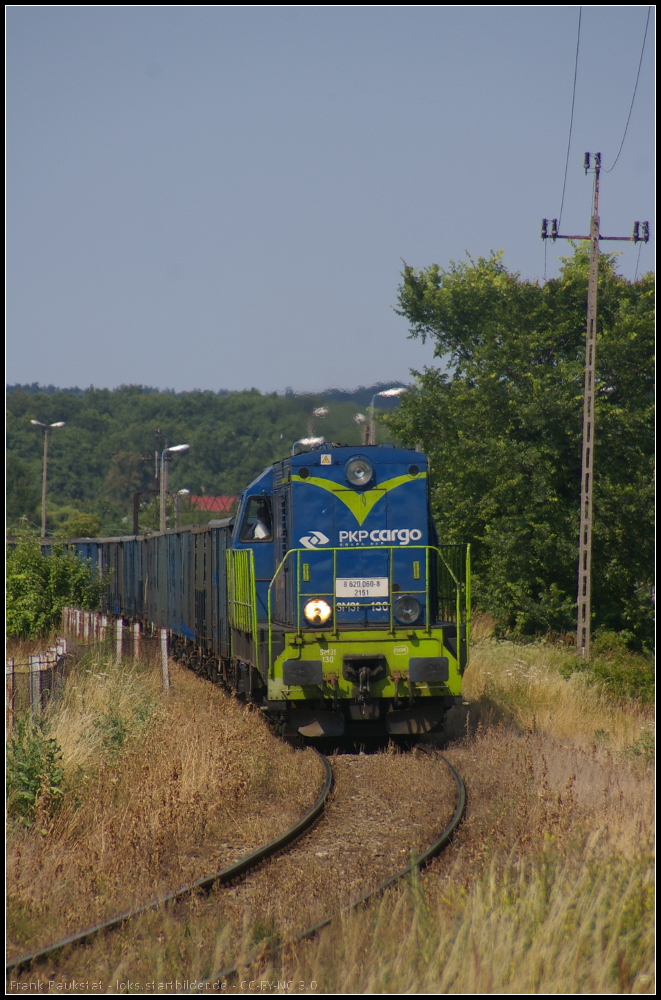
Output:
x=177 y=506
x=371 y=437
x=47 y=427
x=177 y=449
x=321 y=411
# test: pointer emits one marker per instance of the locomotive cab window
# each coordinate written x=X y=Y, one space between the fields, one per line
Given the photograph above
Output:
x=257 y=524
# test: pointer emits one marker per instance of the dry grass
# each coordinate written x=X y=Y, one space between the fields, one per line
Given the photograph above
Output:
x=547 y=887
x=524 y=686
x=161 y=790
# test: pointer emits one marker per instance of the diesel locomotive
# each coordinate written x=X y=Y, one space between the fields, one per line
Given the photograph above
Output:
x=328 y=600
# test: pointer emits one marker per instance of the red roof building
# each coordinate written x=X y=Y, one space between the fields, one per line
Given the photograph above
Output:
x=215 y=505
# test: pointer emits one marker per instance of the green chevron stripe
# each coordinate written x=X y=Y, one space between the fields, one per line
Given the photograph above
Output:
x=360 y=504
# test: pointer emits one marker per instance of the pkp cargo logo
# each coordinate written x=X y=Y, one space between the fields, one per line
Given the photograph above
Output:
x=314 y=539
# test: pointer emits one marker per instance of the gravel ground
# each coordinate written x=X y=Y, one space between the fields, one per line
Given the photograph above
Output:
x=383 y=808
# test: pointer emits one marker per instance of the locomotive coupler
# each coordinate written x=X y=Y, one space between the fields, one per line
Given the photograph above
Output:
x=364 y=683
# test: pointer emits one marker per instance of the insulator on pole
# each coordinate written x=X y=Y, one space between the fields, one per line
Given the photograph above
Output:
x=586 y=162
x=646 y=232
x=554 y=229
x=636 y=236
x=544 y=233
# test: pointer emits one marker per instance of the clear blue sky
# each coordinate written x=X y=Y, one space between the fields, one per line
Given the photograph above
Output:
x=221 y=196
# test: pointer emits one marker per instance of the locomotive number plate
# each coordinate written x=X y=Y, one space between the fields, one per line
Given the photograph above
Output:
x=374 y=586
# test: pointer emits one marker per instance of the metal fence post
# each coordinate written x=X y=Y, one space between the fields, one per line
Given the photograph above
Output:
x=86 y=624
x=119 y=635
x=49 y=664
x=136 y=640
x=102 y=628
x=9 y=692
x=35 y=682
x=165 y=667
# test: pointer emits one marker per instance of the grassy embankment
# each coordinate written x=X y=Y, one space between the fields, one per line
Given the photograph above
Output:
x=548 y=887
x=128 y=792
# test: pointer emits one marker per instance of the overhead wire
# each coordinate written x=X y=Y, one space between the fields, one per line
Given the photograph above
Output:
x=640 y=63
x=571 y=117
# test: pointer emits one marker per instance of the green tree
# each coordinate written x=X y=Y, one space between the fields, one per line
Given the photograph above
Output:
x=23 y=495
x=39 y=586
x=79 y=525
x=95 y=462
x=502 y=425
x=129 y=473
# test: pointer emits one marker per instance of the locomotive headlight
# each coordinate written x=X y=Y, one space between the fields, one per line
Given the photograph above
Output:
x=407 y=610
x=317 y=612
x=359 y=472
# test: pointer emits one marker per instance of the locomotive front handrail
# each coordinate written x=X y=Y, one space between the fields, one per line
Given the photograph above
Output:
x=462 y=588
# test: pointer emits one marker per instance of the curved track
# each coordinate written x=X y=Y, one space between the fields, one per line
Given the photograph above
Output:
x=416 y=864
x=224 y=877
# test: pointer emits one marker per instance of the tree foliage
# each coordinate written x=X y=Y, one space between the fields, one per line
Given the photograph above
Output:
x=22 y=488
x=502 y=425
x=39 y=586
x=105 y=452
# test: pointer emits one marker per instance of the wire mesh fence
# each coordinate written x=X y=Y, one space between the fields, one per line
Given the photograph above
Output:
x=30 y=682
x=33 y=679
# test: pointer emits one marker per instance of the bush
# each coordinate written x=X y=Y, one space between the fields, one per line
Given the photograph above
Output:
x=39 y=586
x=613 y=667
x=34 y=772
x=79 y=525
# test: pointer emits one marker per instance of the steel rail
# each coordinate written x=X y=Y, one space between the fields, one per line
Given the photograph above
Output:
x=222 y=877
x=415 y=865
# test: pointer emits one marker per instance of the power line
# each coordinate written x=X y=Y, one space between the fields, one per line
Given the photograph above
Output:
x=571 y=117
x=641 y=234
x=640 y=63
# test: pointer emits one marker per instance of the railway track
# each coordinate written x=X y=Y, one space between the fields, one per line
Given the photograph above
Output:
x=224 y=877
x=346 y=851
x=417 y=862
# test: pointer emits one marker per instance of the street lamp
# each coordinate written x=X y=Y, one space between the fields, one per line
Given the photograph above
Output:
x=177 y=449
x=177 y=506
x=47 y=427
x=321 y=411
x=371 y=438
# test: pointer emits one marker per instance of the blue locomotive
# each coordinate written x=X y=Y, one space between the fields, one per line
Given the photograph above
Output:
x=327 y=600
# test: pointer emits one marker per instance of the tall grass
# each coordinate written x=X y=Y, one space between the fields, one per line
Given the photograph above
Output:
x=542 y=686
x=548 y=926
x=547 y=887
x=158 y=790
